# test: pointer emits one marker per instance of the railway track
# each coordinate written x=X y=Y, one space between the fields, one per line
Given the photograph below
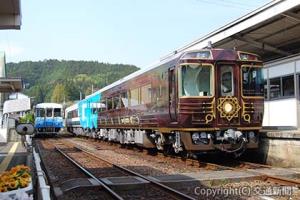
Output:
x=86 y=152
x=230 y=164
x=113 y=194
x=63 y=173
x=168 y=193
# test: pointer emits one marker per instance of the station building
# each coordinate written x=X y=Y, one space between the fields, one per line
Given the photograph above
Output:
x=10 y=18
x=273 y=32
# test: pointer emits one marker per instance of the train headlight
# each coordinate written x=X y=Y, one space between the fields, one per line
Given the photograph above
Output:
x=228 y=107
x=251 y=135
x=203 y=135
x=195 y=136
x=200 y=138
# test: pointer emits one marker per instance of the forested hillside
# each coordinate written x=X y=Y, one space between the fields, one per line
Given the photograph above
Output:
x=56 y=81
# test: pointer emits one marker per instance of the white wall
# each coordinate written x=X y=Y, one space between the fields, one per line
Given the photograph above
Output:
x=281 y=112
x=282 y=69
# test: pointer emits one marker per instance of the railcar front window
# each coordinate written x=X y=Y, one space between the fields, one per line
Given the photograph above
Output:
x=49 y=112
x=253 y=82
x=227 y=80
x=196 y=80
x=40 y=112
x=57 y=112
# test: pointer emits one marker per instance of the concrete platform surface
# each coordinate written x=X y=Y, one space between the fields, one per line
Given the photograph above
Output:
x=12 y=154
x=281 y=134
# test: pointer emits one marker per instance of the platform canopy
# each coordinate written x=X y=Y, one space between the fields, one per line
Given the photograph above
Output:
x=10 y=85
x=272 y=31
x=10 y=14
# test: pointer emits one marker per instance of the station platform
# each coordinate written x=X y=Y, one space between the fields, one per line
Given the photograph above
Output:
x=13 y=153
x=280 y=148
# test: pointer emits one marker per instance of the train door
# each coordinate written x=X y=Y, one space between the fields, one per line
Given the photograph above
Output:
x=228 y=106
x=172 y=94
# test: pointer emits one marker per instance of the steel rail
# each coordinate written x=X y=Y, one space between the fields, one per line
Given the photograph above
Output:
x=254 y=164
x=87 y=172
x=165 y=188
x=281 y=180
x=267 y=177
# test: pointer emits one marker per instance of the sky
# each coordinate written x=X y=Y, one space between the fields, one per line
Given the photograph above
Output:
x=137 y=32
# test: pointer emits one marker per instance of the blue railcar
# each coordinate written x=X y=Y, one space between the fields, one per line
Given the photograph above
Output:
x=82 y=117
x=48 y=118
x=88 y=111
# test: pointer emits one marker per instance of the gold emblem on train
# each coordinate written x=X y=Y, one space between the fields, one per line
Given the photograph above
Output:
x=211 y=114
x=228 y=107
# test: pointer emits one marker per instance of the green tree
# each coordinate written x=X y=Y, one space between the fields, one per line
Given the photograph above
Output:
x=42 y=77
x=38 y=93
x=59 y=93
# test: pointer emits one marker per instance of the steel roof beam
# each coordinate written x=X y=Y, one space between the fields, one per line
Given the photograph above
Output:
x=270 y=35
x=292 y=16
x=261 y=45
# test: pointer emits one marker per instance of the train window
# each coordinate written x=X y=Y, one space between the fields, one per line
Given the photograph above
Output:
x=266 y=89
x=48 y=112
x=95 y=110
x=275 y=88
x=57 y=112
x=227 y=80
x=288 y=86
x=40 y=112
x=102 y=106
x=124 y=100
x=253 y=82
x=146 y=94
x=116 y=103
x=134 y=97
x=109 y=103
x=75 y=113
x=196 y=80
x=198 y=55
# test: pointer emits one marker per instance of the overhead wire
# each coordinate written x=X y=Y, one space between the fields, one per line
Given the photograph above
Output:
x=228 y=3
x=238 y=2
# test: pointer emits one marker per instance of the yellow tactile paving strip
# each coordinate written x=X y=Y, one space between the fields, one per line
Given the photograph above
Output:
x=4 y=164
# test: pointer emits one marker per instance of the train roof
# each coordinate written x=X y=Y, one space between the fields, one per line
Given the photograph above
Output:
x=48 y=105
x=136 y=74
x=150 y=67
x=72 y=107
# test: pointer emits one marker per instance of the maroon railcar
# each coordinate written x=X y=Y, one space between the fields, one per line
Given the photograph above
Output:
x=202 y=100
